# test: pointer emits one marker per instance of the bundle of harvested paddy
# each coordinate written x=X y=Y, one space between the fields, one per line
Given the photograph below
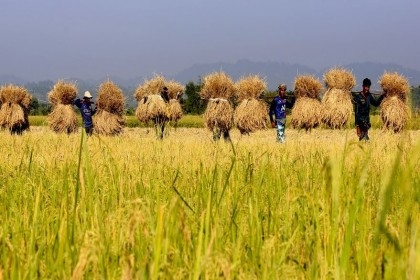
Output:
x=62 y=118
x=14 y=109
x=175 y=89
x=63 y=93
x=251 y=115
x=394 y=108
x=336 y=103
x=151 y=108
x=107 y=123
x=109 y=119
x=336 y=108
x=174 y=110
x=306 y=112
x=250 y=87
x=150 y=87
x=219 y=115
x=339 y=78
x=218 y=87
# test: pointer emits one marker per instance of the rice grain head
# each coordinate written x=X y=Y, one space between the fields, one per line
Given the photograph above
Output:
x=217 y=85
x=251 y=115
x=307 y=86
x=394 y=84
x=150 y=87
x=175 y=89
x=249 y=87
x=111 y=98
x=15 y=94
x=63 y=93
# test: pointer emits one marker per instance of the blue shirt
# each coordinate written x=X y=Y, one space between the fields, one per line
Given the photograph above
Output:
x=87 y=112
x=278 y=107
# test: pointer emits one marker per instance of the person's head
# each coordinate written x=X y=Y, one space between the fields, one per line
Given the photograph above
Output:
x=282 y=90
x=87 y=96
x=366 y=84
x=165 y=89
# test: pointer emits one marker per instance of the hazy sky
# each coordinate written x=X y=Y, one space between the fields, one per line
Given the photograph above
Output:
x=52 y=39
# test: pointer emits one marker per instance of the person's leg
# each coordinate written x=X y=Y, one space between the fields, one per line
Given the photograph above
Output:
x=358 y=131
x=216 y=134
x=281 y=137
x=226 y=135
x=89 y=131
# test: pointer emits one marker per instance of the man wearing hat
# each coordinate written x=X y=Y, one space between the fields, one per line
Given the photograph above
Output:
x=277 y=112
x=362 y=102
x=85 y=107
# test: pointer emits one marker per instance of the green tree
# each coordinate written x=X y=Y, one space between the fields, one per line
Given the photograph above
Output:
x=193 y=104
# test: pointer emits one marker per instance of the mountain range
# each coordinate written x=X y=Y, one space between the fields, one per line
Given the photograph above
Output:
x=273 y=72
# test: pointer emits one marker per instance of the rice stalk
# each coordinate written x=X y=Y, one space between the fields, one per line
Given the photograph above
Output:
x=250 y=87
x=251 y=115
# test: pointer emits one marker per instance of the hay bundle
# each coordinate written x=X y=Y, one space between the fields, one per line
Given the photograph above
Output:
x=336 y=103
x=150 y=87
x=62 y=118
x=306 y=112
x=218 y=87
x=151 y=108
x=394 y=108
x=251 y=113
x=109 y=120
x=14 y=108
x=250 y=87
x=175 y=90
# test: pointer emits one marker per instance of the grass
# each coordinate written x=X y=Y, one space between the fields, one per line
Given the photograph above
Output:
x=321 y=206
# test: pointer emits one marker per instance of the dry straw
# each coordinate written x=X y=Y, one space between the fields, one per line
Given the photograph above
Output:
x=306 y=112
x=336 y=104
x=174 y=110
x=175 y=89
x=106 y=123
x=150 y=87
x=251 y=115
x=14 y=108
x=339 y=78
x=151 y=108
x=219 y=114
x=110 y=98
x=250 y=87
x=395 y=111
x=217 y=85
x=63 y=93
x=63 y=119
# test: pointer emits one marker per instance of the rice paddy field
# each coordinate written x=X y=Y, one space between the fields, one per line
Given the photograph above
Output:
x=320 y=206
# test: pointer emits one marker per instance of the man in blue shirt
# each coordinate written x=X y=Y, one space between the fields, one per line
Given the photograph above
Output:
x=277 y=112
x=85 y=107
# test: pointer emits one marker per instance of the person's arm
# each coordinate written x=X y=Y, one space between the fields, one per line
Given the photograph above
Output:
x=290 y=102
x=77 y=103
x=271 y=111
x=376 y=102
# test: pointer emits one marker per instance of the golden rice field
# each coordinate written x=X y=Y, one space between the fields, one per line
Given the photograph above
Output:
x=321 y=206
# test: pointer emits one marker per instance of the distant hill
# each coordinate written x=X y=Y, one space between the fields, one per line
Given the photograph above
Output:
x=276 y=72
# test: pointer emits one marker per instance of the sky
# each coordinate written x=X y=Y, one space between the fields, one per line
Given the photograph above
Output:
x=90 y=39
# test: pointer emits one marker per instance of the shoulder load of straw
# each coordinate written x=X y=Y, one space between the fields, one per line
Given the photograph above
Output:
x=175 y=91
x=14 y=108
x=63 y=93
x=151 y=108
x=150 y=87
x=394 y=108
x=62 y=118
x=306 y=112
x=174 y=110
x=218 y=88
x=251 y=113
x=250 y=87
x=109 y=120
x=336 y=103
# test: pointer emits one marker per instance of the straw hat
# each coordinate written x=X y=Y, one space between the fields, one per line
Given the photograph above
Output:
x=87 y=94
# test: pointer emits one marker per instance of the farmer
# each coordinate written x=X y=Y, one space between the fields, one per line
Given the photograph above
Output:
x=362 y=102
x=277 y=112
x=87 y=111
x=161 y=120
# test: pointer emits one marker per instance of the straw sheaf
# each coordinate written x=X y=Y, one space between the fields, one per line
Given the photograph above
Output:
x=394 y=84
x=250 y=87
x=175 y=110
x=63 y=119
x=63 y=93
x=339 y=78
x=306 y=113
x=15 y=94
x=106 y=123
x=394 y=113
x=110 y=98
x=336 y=108
x=175 y=89
x=217 y=85
x=307 y=86
x=150 y=87
x=13 y=116
x=251 y=115
x=219 y=114
x=151 y=107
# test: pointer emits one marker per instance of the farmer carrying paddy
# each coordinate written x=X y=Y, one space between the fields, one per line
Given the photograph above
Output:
x=85 y=107
x=277 y=112
x=362 y=102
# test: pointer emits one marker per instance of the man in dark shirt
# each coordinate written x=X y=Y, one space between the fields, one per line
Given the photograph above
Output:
x=277 y=112
x=362 y=102
x=86 y=111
